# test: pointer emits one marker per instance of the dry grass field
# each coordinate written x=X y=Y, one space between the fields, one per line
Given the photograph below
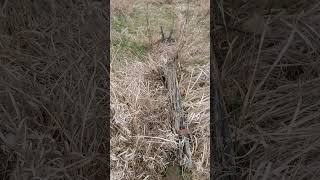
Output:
x=142 y=143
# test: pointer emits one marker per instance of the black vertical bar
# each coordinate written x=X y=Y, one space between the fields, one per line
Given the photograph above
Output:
x=212 y=177
x=54 y=89
x=108 y=118
x=222 y=161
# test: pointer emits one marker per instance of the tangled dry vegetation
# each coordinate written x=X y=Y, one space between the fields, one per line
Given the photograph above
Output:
x=272 y=88
x=52 y=90
x=142 y=143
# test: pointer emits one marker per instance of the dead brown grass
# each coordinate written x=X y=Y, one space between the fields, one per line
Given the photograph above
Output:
x=142 y=143
x=52 y=90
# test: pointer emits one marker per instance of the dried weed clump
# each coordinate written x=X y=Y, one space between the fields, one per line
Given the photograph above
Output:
x=141 y=136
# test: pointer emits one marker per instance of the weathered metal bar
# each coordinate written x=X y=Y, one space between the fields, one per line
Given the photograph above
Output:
x=178 y=115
